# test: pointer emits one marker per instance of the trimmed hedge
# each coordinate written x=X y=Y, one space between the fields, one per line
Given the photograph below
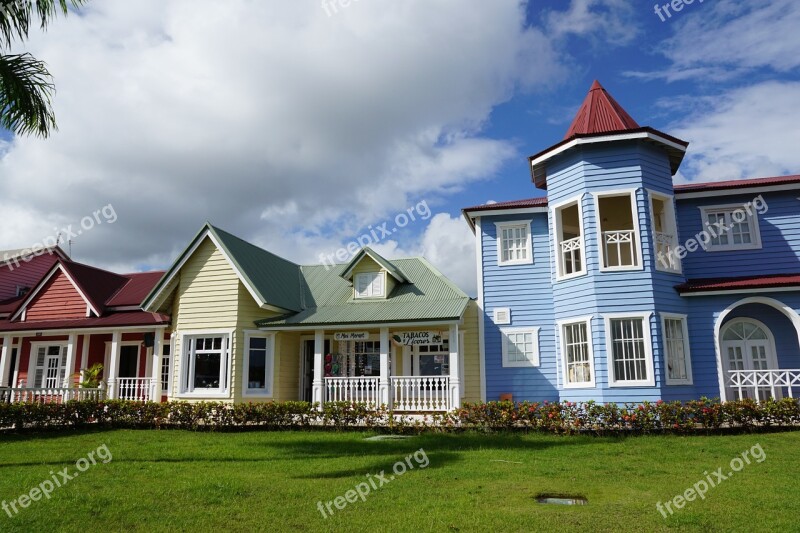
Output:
x=566 y=417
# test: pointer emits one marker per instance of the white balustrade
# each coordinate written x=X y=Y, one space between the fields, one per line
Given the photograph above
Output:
x=48 y=395
x=357 y=389
x=421 y=393
x=572 y=255
x=133 y=389
x=762 y=384
x=666 y=248
x=619 y=248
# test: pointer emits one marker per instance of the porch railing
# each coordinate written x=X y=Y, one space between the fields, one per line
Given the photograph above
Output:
x=133 y=389
x=48 y=395
x=666 y=247
x=619 y=248
x=763 y=384
x=356 y=389
x=421 y=393
x=572 y=255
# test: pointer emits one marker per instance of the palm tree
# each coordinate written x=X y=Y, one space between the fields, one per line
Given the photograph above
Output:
x=26 y=86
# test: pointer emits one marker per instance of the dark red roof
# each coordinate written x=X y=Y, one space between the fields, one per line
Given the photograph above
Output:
x=129 y=318
x=600 y=113
x=739 y=283
x=134 y=291
x=98 y=285
x=513 y=204
x=736 y=184
x=10 y=305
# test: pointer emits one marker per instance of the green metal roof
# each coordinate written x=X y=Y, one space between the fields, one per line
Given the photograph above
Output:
x=385 y=264
x=427 y=296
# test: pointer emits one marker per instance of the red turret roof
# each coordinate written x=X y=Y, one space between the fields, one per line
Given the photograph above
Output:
x=600 y=113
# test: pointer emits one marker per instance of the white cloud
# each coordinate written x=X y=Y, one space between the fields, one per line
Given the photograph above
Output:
x=607 y=22
x=744 y=133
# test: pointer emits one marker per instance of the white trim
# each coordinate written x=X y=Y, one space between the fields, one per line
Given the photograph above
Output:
x=562 y=359
x=185 y=369
x=481 y=305
x=605 y=138
x=752 y=219
x=534 y=361
x=672 y=226
x=495 y=316
x=32 y=355
x=82 y=331
x=648 y=349
x=121 y=344
x=687 y=350
x=500 y=226
x=601 y=245
x=380 y=273
x=43 y=282
x=771 y=302
x=85 y=352
x=489 y=212
x=371 y=325
x=556 y=217
x=736 y=192
x=270 y=364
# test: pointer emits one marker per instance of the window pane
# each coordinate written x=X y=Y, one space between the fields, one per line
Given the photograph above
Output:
x=577 y=353
x=676 y=349
x=257 y=369
x=628 y=349
x=206 y=370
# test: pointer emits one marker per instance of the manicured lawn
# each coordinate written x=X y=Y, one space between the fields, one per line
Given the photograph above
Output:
x=259 y=481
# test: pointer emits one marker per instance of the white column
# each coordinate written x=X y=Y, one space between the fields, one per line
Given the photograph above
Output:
x=383 y=384
x=113 y=361
x=84 y=354
x=318 y=385
x=155 y=382
x=5 y=361
x=15 y=382
x=72 y=343
x=455 y=381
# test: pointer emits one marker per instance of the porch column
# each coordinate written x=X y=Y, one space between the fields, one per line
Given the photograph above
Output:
x=455 y=382
x=318 y=384
x=155 y=381
x=383 y=384
x=5 y=361
x=113 y=360
x=84 y=356
x=72 y=343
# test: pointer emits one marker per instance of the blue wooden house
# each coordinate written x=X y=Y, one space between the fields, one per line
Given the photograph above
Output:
x=619 y=286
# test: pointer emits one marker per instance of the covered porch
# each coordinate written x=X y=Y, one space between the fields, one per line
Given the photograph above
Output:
x=758 y=350
x=406 y=370
x=51 y=365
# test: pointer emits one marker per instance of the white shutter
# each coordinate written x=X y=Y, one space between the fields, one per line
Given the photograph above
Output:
x=377 y=285
x=62 y=375
x=38 y=375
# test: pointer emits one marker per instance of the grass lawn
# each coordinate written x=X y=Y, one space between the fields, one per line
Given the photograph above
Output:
x=259 y=481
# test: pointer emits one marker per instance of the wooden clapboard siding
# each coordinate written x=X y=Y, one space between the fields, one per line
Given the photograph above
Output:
x=471 y=388
x=780 y=237
x=58 y=299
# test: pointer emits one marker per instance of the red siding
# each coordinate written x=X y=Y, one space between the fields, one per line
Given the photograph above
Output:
x=23 y=275
x=58 y=299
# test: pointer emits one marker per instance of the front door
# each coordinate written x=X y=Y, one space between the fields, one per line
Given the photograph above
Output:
x=52 y=372
x=747 y=345
x=128 y=361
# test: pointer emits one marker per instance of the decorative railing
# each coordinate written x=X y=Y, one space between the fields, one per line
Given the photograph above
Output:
x=572 y=255
x=763 y=384
x=133 y=389
x=619 y=248
x=357 y=389
x=421 y=393
x=666 y=248
x=48 y=395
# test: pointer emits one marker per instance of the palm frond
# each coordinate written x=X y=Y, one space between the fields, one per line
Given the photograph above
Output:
x=16 y=16
x=26 y=89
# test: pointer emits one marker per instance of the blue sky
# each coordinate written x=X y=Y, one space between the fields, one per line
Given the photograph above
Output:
x=299 y=128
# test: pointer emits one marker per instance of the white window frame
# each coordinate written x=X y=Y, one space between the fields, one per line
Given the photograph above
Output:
x=370 y=288
x=31 y=379
x=752 y=219
x=684 y=319
x=587 y=320
x=526 y=225
x=601 y=243
x=170 y=366
x=187 y=364
x=648 y=350
x=270 y=365
x=497 y=316
x=555 y=214
x=533 y=360
x=671 y=226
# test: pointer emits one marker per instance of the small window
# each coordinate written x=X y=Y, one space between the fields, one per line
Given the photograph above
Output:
x=731 y=227
x=205 y=361
x=569 y=245
x=514 y=243
x=630 y=351
x=577 y=353
x=166 y=369
x=370 y=285
x=520 y=347
x=259 y=365
x=676 y=350
x=22 y=291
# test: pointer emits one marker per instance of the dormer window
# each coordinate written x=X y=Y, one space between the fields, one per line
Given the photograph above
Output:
x=22 y=291
x=370 y=285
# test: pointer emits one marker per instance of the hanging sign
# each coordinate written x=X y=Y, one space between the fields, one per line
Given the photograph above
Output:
x=417 y=338
x=352 y=336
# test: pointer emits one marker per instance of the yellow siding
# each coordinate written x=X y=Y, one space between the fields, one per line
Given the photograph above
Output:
x=367 y=264
x=472 y=367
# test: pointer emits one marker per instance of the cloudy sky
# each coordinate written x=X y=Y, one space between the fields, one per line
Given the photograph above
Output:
x=301 y=125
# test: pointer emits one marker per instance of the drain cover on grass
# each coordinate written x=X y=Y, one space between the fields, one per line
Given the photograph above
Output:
x=388 y=437
x=561 y=499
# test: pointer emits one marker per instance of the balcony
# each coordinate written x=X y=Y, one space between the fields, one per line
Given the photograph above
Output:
x=619 y=247
x=764 y=384
x=572 y=256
